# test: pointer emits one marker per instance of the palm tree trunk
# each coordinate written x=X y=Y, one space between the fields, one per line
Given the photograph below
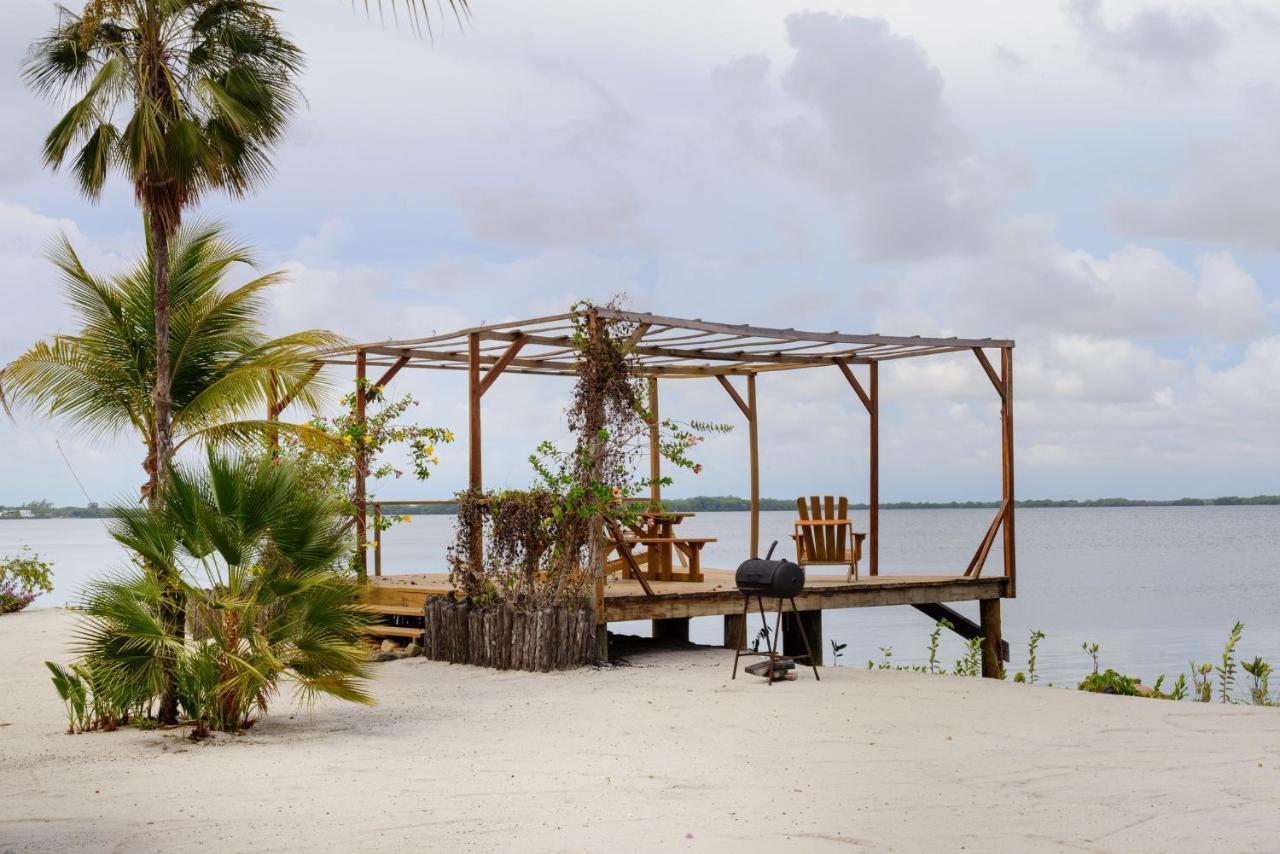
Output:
x=173 y=611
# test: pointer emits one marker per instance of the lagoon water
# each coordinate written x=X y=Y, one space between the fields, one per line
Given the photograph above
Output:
x=1154 y=586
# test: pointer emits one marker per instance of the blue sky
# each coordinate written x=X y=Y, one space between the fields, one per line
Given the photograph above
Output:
x=1095 y=178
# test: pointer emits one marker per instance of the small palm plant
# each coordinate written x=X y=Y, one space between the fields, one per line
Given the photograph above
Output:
x=257 y=558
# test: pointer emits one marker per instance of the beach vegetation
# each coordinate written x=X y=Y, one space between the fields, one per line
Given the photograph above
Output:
x=1227 y=669
x=1033 y=645
x=224 y=370
x=1110 y=682
x=23 y=577
x=934 y=637
x=837 y=652
x=1259 y=685
x=182 y=99
x=258 y=559
x=1202 y=682
x=970 y=664
x=1091 y=649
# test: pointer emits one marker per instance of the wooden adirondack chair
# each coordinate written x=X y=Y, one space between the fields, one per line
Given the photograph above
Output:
x=824 y=535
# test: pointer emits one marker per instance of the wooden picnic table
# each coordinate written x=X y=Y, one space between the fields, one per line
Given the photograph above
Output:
x=656 y=531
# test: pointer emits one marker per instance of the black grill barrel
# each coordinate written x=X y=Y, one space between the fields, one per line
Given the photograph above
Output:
x=773 y=578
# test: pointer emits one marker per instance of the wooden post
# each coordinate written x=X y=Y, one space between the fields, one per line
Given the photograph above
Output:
x=873 y=496
x=989 y=615
x=1006 y=445
x=735 y=626
x=475 y=481
x=362 y=555
x=753 y=437
x=655 y=449
x=793 y=642
x=377 y=539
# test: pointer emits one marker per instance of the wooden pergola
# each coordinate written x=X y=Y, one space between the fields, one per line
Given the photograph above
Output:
x=672 y=348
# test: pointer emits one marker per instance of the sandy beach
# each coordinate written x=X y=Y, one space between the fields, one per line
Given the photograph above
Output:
x=665 y=753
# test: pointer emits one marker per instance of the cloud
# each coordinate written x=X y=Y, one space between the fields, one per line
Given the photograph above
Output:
x=1160 y=41
x=527 y=218
x=1224 y=191
x=1029 y=281
x=859 y=114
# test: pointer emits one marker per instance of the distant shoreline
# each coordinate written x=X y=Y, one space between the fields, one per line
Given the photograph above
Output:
x=730 y=503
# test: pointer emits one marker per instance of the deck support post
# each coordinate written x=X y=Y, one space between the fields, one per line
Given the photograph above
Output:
x=475 y=481
x=362 y=464
x=735 y=631
x=989 y=616
x=602 y=643
x=655 y=446
x=873 y=491
x=753 y=436
x=1006 y=456
x=793 y=641
x=672 y=629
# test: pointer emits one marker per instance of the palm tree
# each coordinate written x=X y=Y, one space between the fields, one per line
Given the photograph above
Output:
x=224 y=369
x=258 y=559
x=182 y=97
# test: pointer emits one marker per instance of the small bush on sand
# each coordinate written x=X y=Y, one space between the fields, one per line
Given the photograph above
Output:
x=22 y=579
x=255 y=556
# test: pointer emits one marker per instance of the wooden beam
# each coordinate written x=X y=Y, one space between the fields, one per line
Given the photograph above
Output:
x=865 y=593
x=753 y=439
x=634 y=338
x=793 y=334
x=733 y=393
x=361 y=471
x=990 y=371
x=853 y=381
x=1006 y=444
x=873 y=496
x=979 y=558
x=960 y=624
x=391 y=372
x=475 y=477
x=501 y=364
x=655 y=445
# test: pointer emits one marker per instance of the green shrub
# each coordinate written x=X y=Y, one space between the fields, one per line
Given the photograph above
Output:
x=22 y=579
x=1110 y=682
x=256 y=558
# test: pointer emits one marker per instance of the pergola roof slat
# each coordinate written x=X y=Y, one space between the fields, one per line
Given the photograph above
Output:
x=659 y=346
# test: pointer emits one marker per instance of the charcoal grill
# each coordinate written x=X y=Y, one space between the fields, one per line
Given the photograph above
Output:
x=762 y=578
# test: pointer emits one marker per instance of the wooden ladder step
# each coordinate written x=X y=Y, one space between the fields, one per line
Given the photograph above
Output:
x=394 y=632
x=390 y=610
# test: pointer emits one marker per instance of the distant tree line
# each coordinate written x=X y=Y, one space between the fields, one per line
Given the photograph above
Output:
x=724 y=503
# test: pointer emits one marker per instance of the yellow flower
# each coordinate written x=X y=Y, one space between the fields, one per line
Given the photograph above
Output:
x=406 y=518
x=346 y=439
x=435 y=461
x=448 y=435
x=430 y=450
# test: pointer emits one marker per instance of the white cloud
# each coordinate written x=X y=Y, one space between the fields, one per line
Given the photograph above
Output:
x=1166 y=41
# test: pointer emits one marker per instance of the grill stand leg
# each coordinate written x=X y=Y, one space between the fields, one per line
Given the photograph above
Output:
x=773 y=641
x=742 y=635
x=804 y=636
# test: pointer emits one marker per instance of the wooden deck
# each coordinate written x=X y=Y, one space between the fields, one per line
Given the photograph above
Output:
x=716 y=594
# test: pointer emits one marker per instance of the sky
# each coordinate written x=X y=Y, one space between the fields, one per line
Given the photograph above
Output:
x=1096 y=179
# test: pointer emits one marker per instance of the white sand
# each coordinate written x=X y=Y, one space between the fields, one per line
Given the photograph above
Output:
x=636 y=758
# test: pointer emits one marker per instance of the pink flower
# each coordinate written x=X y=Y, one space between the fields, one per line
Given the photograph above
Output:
x=697 y=468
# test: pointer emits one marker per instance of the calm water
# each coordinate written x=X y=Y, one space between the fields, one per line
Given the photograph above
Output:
x=1155 y=586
